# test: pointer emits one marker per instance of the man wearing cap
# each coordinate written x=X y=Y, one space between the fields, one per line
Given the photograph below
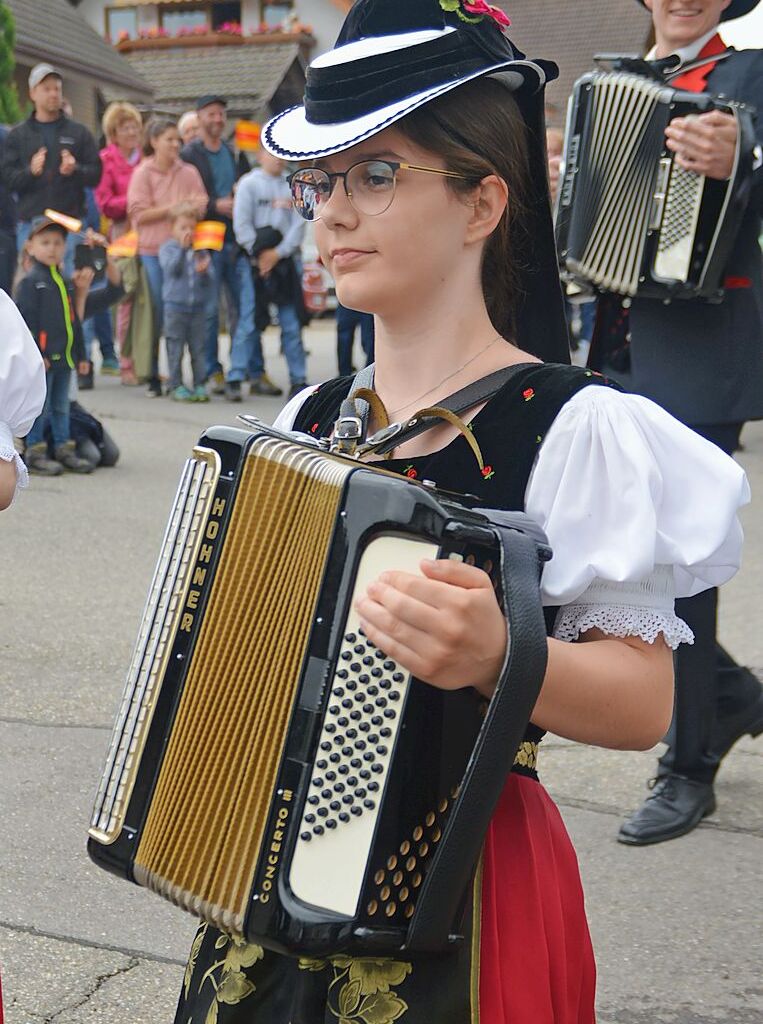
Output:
x=49 y=159
x=703 y=362
x=215 y=162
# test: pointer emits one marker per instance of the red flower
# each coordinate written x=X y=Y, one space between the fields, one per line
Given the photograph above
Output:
x=411 y=473
x=527 y=394
x=488 y=472
x=480 y=7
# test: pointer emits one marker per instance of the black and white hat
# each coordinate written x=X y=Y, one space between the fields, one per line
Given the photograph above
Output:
x=391 y=57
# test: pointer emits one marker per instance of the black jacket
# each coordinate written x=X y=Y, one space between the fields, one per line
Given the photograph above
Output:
x=51 y=189
x=38 y=297
x=704 y=362
x=195 y=153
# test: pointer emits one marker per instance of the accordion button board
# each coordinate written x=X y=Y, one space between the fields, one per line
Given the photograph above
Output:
x=364 y=712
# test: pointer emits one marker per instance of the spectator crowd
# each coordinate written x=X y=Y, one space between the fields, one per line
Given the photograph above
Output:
x=139 y=247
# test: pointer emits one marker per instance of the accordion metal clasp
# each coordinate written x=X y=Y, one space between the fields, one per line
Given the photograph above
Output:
x=270 y=770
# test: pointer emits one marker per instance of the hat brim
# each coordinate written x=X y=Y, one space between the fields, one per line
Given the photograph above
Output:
x=291 y=136
x=736 y=9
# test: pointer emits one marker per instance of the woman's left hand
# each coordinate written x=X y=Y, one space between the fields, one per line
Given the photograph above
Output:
x=445 y=627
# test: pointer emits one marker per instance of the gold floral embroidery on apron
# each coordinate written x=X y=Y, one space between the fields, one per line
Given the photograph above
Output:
x=231 y=986
x=361 y=991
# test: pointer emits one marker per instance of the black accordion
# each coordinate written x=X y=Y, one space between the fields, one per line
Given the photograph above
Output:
x=270 y=770
x=629 y=219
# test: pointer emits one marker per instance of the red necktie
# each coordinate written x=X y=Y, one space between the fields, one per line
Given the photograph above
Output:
x=696 y=80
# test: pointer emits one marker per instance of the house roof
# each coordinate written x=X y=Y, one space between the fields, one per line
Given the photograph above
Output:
x=248 y=76
x=571 y=33
x=50 y=30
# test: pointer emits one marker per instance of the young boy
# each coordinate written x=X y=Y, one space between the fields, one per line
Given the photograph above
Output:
x=186 y=289
x=53 y=308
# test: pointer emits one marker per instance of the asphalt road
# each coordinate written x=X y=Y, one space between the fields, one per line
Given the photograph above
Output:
x=676 y=926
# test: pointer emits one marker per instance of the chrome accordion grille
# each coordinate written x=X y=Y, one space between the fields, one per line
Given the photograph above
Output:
x=155 y=639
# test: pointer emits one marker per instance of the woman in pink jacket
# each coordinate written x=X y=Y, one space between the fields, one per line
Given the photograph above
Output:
x=122 y=127
x=160 y=182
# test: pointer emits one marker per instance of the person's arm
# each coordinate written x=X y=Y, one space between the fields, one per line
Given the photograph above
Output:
x=172 y=259
x=8 y=480
x=244 y=204
x=139 y=201
x=17 y=173
x=28 y=305
x=103 y=298
x=89 y=165
x=292 y=240
x=110 y=204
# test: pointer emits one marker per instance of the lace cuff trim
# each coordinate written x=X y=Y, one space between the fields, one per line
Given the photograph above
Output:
x=622 y=620
x=22 y=477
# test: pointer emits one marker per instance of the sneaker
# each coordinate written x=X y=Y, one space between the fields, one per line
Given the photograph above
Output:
x=154 y=389
x=110 y=367
x=263 y=385
x=233 y=390
x=296 y=387
x=181 y=394
x=85 y=380
x=37 y=461
x=66 y=454
x=199 y=394
x=216 y=383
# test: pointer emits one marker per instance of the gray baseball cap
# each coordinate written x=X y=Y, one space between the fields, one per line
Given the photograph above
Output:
x=41 y=71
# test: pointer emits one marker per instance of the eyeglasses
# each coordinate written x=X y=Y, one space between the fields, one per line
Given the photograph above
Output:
x=369 y=185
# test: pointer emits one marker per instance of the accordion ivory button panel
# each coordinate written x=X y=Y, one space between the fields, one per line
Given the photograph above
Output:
x=683 y=201
x=356 y=745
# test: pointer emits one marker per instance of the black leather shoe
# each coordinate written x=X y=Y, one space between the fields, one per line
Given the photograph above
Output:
x=748 y=721
x=675 y=806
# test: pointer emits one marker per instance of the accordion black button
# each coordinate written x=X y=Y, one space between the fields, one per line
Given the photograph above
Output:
x=306 y=837
x=381 y=702
x=368 y=660
x=351 y=734
x=325 y=745
x=372 y=691
x=334 y=709
x=347 y=703
x=347 y=798
x=330 y=776
x=385 y=684
x=335 y=758
x=385 y=732
x=360 y=793
x=339 y=787
x=360 y=744
x=351 y=685
x=352 y=781
x=346 y=655
x=368 y=708
x=313 y=800
x=369 y=756
x=398 y=677
x=350 y=638
x=330 y=823
x=343 y=722
x=347 y=751
x=343 y=769
x=356 y=810
x=322 y=812
x=390 y=666
x=390 y=713
x=369 y=804
x=364 y=773
x=360 y=697
x=326 y=793
x=310 y=818
x=360 y=648
x=335 y=805
x=381 y=751
x=329 y=727
x=344 y=816
x=355 y=667
x=356 y=762
x=318 y=830
x=373 y=787
x=394 y=695
x=355 y=716
x=364 y=678
x=339 y=739
x=377 y=768
x=316 y=780
x=364 y=727
x=373 y=739
x=376 y=673
x=342 y=673
x=377 y=720
x=338 y=691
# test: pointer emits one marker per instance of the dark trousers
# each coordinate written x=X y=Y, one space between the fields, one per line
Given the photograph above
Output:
x=709 y=683
x=185 y=326
x=346 y=322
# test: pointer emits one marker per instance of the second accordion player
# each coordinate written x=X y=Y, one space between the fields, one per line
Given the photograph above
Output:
x=270 y=770
x=630 y=219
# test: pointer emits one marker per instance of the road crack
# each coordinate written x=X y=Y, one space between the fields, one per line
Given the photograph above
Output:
x=98 y=983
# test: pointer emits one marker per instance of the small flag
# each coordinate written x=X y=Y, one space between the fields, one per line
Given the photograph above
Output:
x=247 y=136
x=70 y=223
x=126 y=245
x=209 y=234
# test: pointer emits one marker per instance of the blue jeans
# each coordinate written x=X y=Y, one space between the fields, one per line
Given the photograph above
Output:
x=246 y=358
x=73 y=239
x=227 y=265
x=99 y=326
x=56 y=408
x=155 y=278
x=346 y=322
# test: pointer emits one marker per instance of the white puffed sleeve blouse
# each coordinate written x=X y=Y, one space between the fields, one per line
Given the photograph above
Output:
x=22 y=383
x=638 y=509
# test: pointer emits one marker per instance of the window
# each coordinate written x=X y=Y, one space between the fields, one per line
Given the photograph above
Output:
x=175 y=17
x=273 y=12
x=121 y=21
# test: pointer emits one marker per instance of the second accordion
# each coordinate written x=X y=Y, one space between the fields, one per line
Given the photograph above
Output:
x=630 y=219
x=271 y=771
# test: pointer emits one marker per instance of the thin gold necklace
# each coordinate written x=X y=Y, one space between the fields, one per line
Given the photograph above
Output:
x=394 y=412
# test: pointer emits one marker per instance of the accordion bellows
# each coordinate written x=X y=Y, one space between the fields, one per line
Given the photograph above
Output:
x=270 y=770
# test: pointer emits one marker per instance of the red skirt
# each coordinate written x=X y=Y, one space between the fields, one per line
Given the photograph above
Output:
x=545 y=971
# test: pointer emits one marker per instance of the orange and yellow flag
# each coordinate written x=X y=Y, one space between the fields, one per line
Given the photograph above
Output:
x=247 y=136
x=70 y=223
x=209 y=234
x=126 y=245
